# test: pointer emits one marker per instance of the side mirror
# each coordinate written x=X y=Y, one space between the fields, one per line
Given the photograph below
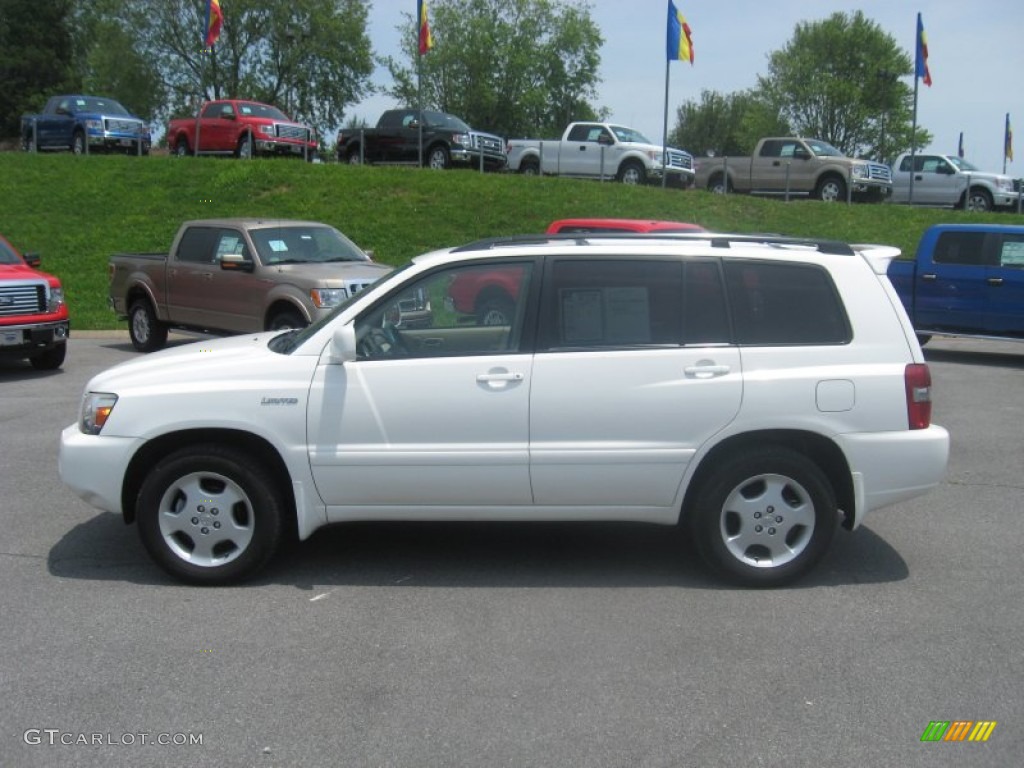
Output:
x=946 y=170
x=605 y=139
x=32 y=259
x=801 y=153
x=228 y=116
x=235 y=262
x=343 y=344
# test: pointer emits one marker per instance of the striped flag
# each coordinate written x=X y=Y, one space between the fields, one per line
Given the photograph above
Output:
x=1008 y=140
x=426 y=39
x=921 y=68
x=214 y=21
x=680 y=44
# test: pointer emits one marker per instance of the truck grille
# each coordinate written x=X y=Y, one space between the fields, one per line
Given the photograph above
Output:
x=296 y=132
x=490 y=144
x=678 y=159
x=879 y=172
x=355 y=287
x=122 y=126
x=22 y=299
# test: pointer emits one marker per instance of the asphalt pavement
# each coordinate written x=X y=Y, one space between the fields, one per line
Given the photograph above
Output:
x=516 y=645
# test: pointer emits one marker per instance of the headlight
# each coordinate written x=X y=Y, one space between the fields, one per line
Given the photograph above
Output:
x=327 y=297
x=860 y=171
x=267 y=129
x=96 y=409
x=462 y=139
x=94 y=125
x=56 y=300
x=1005 y=184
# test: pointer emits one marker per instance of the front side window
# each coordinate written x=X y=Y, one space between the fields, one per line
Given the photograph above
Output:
x=457 y=311
x=967 y=248
x=1011 y=254
x=778 y=303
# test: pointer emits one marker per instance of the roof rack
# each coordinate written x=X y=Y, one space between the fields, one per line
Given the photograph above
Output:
x=717 y=240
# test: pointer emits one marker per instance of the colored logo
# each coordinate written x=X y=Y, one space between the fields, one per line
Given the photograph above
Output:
x=958 y=730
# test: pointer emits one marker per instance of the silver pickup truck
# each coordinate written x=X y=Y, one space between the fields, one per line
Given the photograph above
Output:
x=237 y=276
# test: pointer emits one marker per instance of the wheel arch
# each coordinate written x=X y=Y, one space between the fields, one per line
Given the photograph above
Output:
x=284 y=304
x=819 y=449
x=137 y=291
x=156 y=449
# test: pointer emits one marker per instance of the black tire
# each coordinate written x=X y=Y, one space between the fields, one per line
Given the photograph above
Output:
x=210 y=514
x=51 y=359
x=764 y=517
x=495 y=308
x=181 y=148
x=530 y=167
x=286 y=319
x=78 y=143
x=719 y=185
x=979 y=200
x=245 y=150
x=438 y=158
x=147 y=333
x=353 y=157
x=26 y=142
x=831 y=189
x=633 y=173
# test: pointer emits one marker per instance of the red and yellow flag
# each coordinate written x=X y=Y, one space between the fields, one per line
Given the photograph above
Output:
x=214 y=21
x=426 y=40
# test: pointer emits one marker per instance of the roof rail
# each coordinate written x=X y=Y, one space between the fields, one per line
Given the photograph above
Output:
x=717 y=240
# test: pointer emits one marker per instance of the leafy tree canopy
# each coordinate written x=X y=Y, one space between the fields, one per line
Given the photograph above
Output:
x=514 y=67
x=726 y=124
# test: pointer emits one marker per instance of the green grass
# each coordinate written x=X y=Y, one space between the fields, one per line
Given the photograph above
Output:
x=76 y=211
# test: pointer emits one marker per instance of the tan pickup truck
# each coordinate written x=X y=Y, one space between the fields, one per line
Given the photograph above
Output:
x=796 y=167
x=237 y=276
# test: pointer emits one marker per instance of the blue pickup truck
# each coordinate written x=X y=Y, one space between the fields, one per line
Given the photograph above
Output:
x=965 y=280
x=85 y=124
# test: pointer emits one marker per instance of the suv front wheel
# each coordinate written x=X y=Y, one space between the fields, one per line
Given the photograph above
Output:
x=764 y=517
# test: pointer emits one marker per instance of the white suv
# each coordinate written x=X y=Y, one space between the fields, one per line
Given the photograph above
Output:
x=754 y=389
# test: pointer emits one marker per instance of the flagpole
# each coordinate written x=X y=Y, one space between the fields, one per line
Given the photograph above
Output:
x=664 y=132
x=913 y=140
x=419 y=104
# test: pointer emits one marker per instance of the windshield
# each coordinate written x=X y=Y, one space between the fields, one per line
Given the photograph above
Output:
x=255 y=109
x=304 y=244
x=289 y=341
x=628 y=134
x=7 y=254
x=441 y=120
x=103 y=106
x=962 y=164
x=823 y=148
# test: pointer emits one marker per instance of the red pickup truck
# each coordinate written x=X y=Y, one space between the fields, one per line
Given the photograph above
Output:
x=33 y=315
x=240 y=128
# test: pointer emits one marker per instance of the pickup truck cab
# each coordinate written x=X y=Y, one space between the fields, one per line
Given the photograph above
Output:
x=241 y=128
x=601 y=151
x=965 y=280
x=799 y=167
x=951 y=181
x=33 y=314
x=446 y=139
x=754 y=390
x=85 y=124
x=237 y=275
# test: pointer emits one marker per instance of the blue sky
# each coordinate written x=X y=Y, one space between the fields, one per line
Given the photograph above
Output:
x=976 y=57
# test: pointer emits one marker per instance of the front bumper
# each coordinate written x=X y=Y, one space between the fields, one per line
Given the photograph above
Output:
x=277 y=147
x=471 y=158
x=23 y=340
x=93 y=466
x=128 y=142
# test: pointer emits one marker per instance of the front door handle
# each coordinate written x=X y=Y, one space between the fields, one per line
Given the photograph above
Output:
x=487 y=378
x=706 y=369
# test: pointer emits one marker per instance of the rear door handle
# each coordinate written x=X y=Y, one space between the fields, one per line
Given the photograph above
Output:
x=487 y=378
x=994 y=281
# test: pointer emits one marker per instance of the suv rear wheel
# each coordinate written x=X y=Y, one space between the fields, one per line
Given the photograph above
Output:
x=764 y=517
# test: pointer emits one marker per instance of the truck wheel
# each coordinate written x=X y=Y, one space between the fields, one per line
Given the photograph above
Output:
x=719 y=185
x=495 y=309
x=831 y=189
x=181 y=148
x=979 y=200
x=51 y=359
x=78 y=143
x=632 y=173
x=764 y=517
x=210 y=514
x=286 y=320
x=245 y=150
x=146 y=332
x=353 y=157
x=438 y=158
x=530 y=167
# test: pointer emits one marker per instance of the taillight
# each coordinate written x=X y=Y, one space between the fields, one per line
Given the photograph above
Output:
x=918 y=381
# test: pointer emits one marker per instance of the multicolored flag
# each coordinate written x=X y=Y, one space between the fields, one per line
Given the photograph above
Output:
x=680 y=44
x=214 y=21
x=1008 y=140
x=426 y=39
x=921 y=69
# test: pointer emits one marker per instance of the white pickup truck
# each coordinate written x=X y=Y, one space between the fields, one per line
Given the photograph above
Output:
x=601 y=151
x=944 y=180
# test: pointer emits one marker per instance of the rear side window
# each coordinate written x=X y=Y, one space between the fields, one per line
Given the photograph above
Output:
x=197 y=245
x=961 y=248
x=779 y=303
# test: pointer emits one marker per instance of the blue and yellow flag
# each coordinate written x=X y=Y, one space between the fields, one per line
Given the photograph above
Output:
x=680 y=45
x=921 y=67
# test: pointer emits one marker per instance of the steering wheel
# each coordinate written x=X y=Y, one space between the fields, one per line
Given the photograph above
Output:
x=383 y=342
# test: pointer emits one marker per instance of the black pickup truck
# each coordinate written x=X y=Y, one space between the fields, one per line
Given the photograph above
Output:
x=447 y=141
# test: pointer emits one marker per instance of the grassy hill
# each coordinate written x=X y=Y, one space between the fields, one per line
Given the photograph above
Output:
x=76 y=211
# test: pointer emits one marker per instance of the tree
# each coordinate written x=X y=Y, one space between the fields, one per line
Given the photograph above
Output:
x=515 y=67
x=311 y=58
x=726 y=124
x=838 y=80
x=35 y=57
